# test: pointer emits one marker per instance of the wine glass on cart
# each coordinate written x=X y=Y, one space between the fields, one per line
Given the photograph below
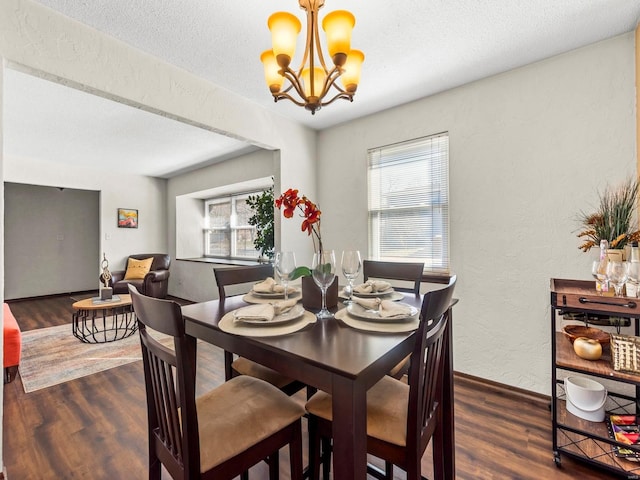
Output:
x=617 y=274
x=633 y=274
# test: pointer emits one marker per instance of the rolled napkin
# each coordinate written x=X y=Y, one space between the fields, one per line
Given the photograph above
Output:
x=380 y=285
x=284 y=306
x=368 y=303
x=372 y=286
x=389 y=308
x=269 y=285
x=363 y=288
x=261 y=312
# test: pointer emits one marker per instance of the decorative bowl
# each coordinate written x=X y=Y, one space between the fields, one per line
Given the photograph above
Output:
x=574 y=331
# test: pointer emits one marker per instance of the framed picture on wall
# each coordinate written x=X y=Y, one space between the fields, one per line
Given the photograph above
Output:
x=127 y=218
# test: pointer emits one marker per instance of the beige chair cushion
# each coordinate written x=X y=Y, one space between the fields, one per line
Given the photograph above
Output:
x=387 y=404
x=238 y=414
x=400 y=367
x=247 y=367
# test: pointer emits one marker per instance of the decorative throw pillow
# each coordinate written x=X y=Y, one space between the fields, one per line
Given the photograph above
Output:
x=137 y=269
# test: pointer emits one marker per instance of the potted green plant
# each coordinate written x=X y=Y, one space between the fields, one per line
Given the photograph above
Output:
x=614 y=220
x=262 y=219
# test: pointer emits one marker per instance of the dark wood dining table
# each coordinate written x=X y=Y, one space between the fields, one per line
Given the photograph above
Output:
x=335 y=358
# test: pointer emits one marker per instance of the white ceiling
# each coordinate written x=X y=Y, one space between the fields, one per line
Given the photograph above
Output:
x=52 y=122
x=413 y=48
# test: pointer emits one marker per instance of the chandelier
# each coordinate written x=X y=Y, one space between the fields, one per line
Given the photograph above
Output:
x=314 y=84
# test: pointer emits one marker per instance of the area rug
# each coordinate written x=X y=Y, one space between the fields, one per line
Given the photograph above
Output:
x=51 y=356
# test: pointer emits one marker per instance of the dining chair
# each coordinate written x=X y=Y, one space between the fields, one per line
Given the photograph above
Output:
x=402 y=418
x=401 y=271
x=232 y=276
x=223 y=432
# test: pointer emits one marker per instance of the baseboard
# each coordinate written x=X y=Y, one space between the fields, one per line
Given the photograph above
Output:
x=181 y=301
x=53 y=295
x=514 y=392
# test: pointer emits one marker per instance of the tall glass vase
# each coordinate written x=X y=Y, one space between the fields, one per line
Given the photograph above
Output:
x=323 y=270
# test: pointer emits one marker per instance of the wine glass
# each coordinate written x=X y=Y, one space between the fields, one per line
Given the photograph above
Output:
x=633 y=272
x=324 y=271
x=285 y=264
x=351 y=265
x=617 y=273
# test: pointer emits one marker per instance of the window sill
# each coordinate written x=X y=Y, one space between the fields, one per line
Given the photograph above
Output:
x=221 y=261
x=436 y=277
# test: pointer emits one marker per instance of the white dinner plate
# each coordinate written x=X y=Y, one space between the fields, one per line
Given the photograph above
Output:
x=394 y=296
x=358 y=311
x=292 y=291
x=369 y=326
x=388 y=291
x=296 y=312
x=226 y=324
x=251 y=298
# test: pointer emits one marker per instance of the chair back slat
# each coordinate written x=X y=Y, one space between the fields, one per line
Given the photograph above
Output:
x=167 y=394
x=240 y=275
x=229 y=276
x=433 y=374
x=170 y=385
x=166 y=403
x=426 y=366
x=401 y=271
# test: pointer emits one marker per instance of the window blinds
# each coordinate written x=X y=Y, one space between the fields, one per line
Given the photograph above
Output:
x=409 y=202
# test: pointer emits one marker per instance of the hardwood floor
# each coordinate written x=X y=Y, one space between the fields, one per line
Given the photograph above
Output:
x=95 y=427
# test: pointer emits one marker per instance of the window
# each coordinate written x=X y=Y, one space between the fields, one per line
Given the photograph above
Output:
x=227 y=232
x=409 y=202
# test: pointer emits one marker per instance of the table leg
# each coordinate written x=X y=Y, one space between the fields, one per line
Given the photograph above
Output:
x=448 y=425
x=349 y=430
x=104 y=325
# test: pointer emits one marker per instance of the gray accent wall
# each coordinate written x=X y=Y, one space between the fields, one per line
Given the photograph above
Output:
x=52 y=240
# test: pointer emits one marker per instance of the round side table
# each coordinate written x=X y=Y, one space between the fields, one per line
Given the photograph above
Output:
x=102 y=321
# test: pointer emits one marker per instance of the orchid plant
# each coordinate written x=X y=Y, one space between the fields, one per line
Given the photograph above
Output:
x=289 y=202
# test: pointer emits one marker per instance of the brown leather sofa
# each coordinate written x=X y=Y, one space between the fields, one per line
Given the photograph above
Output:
x=154 y=284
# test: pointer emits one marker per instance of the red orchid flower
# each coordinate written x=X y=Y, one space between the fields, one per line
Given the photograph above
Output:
x=309 y=211
x=290 y=200
x=311 y=214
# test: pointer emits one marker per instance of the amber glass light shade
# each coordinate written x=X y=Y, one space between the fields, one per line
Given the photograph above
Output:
x=272 y=77
x=318 y=81
x=350 y=78
x=338 y=26
x=284 y=29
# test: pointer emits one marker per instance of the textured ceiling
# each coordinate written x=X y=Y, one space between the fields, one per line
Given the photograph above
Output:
x=413 y=48
x=79 y=129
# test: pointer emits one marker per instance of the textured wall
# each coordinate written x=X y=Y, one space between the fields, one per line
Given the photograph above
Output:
x=529 y=149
